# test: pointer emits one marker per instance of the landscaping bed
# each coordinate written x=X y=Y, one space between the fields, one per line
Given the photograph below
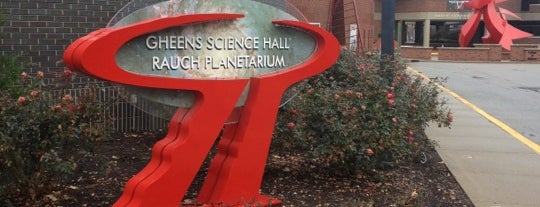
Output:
x=425 y=182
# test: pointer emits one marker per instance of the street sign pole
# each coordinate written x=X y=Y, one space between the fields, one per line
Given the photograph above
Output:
x=388 y=17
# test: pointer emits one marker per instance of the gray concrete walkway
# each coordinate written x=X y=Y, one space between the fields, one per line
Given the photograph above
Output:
x=492 y=166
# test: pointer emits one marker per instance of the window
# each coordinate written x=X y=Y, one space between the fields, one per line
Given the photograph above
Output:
x=526 y=4
x=410 y=28
x=353 y=37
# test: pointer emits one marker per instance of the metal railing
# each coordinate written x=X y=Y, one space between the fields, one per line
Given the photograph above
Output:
x=117 y=113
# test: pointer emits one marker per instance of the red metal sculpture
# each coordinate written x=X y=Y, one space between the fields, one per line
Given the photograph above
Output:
x=236 y=172
x=500 y=31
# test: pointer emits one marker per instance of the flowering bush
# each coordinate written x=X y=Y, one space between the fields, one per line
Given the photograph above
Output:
x=360 y=114
x=43 y=135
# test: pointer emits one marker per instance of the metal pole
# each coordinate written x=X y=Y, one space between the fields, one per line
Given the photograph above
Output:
x=388 y=15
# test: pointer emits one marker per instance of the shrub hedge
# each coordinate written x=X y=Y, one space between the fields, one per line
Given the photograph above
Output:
x=361 y=114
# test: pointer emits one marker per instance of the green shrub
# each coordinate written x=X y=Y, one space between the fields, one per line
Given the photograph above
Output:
x=357 y=116
x=9 y=72
x=43 y=135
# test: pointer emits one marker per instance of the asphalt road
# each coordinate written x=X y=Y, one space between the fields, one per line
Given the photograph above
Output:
x=508 y=91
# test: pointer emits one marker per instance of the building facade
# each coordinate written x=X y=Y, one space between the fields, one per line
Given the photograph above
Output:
x=41 y=29
x=438 y=23
x=429 y=23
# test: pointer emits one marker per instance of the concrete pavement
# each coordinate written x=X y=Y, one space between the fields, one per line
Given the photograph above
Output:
x=508 y=91
x=494 y=166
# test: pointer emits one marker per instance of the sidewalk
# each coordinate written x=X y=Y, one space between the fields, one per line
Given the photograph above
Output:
x=493 y=167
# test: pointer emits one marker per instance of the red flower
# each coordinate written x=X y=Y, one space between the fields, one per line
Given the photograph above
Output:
x=369 y=152
x=34 y=93
x=394 y=120
x=294 y=112
x=40 y=74
x=391 y=102
x=21 y=100
x=67 y=99
x=291 y=125
x=409 y=139
x=390 y=96
x=67 y=72
x=349 y=92
x=24 y=75
x=362 y=67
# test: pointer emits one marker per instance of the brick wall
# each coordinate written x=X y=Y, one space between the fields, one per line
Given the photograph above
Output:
x=415 y=53
x=480 y=52
x=365 y=11
x=321 y=11
x=518 y=51
x=464 y=54
x=318 y=12
x=495 y=51
x=404 y=6
x=42 y=29
x=532 y=54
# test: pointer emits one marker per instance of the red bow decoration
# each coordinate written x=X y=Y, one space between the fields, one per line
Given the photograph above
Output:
x=500 y=32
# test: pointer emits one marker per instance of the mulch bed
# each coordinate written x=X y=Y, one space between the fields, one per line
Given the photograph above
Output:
x=100 y=180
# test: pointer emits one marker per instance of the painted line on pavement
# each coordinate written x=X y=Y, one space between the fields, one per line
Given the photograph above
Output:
x=535 y=147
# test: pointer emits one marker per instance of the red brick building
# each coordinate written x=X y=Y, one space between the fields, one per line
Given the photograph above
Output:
x=351 y=21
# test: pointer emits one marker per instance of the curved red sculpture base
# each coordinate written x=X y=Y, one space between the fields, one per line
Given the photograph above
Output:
x=236 y=172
